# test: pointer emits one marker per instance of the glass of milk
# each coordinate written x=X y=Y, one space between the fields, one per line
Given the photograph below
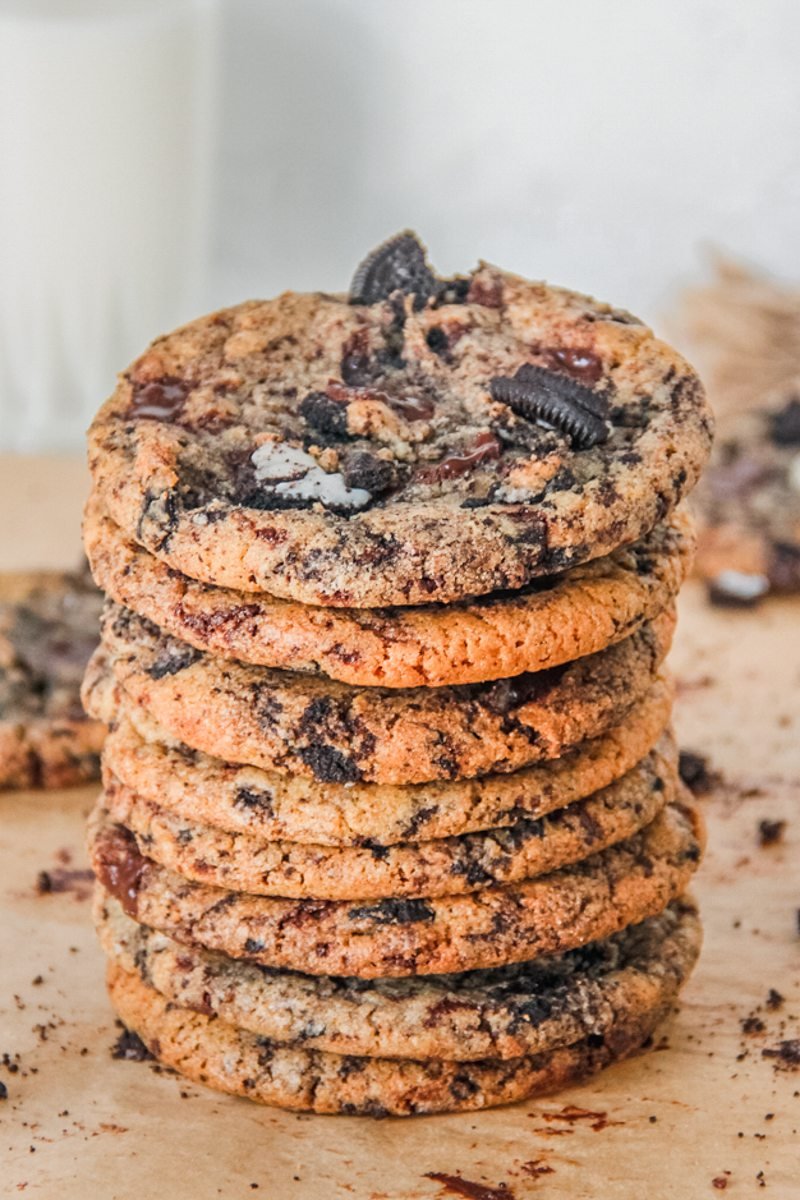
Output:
x=106 y=135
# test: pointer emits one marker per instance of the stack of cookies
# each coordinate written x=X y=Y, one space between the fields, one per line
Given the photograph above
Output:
x=391 y=819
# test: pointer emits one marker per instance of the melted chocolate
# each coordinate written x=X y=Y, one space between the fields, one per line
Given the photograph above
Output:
x=458 y=1186
x=582 y=364
x=159 y=400
x=485 y=448
x=121 y=867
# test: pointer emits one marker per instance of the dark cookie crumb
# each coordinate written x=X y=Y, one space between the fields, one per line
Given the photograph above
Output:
x=130 y=1047
x=695 y=773
x=786 y=1054
x=770 y=833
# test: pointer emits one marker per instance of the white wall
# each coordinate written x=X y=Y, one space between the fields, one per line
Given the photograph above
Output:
x=598 y=143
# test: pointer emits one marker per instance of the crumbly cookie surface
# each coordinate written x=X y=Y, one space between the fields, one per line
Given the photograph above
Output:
x=337 y=734
x=396 y=452
x=445 y=867
x=552 y=620
x=528 y=1008
x=590 y=900
x=48 y=632
x=219 y=1055
x=276 y=807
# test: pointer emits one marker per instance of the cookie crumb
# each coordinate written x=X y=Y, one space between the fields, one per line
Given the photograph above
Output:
x=130 y=1047
x=786 y=1054
x=696 y=774
x=770 y=833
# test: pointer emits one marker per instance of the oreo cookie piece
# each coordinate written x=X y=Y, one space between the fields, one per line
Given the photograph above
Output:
x=398 y=265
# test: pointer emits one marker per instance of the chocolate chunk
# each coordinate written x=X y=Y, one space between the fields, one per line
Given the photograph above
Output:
x=438 y=340
x=398 y=265
x=538 y=394
x=330 y=765
x=360 y=469
x=324 y=414
x=506 y=695
x=356 y=366
x=484 y=448
x=121 y=867
x=393 y=912
x=3 y=1091
x=583 y=365
x=249 y=799
x=784 y=425
x=159 y=400
x=173 y=658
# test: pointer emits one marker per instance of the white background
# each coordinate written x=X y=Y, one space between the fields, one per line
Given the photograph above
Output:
x=601 y=144
x=598 y=143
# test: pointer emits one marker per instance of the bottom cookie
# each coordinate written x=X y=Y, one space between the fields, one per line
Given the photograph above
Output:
x=211 y=1052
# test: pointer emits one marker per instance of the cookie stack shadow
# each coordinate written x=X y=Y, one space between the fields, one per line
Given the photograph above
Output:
x=392 y=861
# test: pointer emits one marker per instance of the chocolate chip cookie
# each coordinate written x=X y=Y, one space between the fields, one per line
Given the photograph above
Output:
x=528 y=1008
x=293 y=808
x=48 y=631
x=553 y=620
x=451 y=866
x=214 y=1053
x=593 y=899
x=338 y=734
x=418 y=440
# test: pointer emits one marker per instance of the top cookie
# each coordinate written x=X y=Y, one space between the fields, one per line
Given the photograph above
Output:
x=421 y=440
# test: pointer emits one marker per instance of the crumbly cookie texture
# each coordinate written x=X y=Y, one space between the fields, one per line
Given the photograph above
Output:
x=749 y=505
x=399 y=448
x=294 y=808
x=337 y=734
x=527 y=1008
x=445 y=867
x=219 y=1055
x=48 y=631
x=593 y=899
x=553 y=620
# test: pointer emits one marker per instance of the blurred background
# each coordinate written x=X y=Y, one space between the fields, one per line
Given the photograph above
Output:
x=163 y=157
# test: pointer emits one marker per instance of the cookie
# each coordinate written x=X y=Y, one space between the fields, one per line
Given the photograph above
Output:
x=398 y=447
x=48 y=631
x=585 y=902
x=274 y=807
x=528 y=1008
x=211 y=1052
x=551 y=621
x=337 y=734
x=446 y=867
x=749 y=506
